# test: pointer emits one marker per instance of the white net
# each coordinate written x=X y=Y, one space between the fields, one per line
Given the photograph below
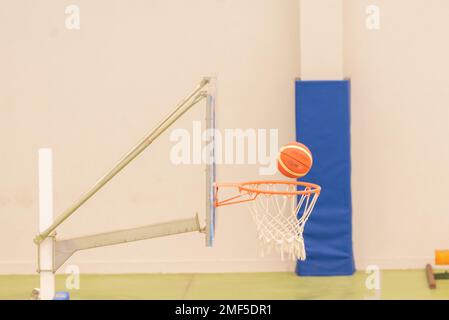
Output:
x=280 y=217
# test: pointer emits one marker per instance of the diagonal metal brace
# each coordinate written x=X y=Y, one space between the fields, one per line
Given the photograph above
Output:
x=195 y=97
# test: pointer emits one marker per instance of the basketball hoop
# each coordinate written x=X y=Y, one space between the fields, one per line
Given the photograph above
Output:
x=280 y=210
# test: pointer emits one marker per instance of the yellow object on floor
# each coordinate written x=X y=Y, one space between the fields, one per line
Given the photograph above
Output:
x=442 y=257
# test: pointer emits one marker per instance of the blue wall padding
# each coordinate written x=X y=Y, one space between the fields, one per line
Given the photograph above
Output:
x=323 y=124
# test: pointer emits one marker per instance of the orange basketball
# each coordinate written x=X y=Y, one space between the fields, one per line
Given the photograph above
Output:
x=295 y=160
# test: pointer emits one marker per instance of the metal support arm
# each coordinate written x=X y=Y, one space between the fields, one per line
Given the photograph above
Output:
x=64 y=249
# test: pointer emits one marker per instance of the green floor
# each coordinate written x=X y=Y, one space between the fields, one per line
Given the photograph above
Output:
x=394 y=285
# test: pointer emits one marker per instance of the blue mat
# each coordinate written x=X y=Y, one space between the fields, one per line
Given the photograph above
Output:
x=323 y=124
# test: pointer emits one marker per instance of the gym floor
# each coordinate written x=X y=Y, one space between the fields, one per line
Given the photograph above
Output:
x=396 y=284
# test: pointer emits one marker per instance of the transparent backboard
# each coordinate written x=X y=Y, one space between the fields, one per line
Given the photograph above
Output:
x=210 y=167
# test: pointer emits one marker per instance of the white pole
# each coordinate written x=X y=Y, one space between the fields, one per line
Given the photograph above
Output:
x=47 y=277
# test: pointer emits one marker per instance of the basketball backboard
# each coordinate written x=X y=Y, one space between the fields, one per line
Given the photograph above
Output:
x=210 y=166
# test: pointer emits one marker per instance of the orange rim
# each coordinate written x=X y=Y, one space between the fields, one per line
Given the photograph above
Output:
x=250 y=189
x=310 y=187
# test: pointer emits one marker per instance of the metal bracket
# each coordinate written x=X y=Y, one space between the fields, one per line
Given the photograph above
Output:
x=38 y=270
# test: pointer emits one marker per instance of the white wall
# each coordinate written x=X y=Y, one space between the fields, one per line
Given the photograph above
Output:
x=91 y=94
x=400 y=112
